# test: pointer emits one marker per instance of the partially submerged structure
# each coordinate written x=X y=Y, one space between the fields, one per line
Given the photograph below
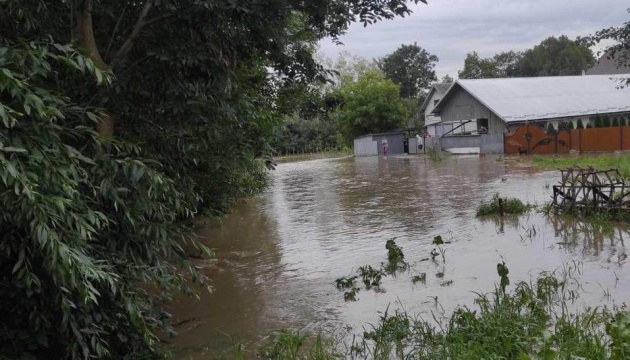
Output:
x=370 y=144
x=485 y=109
x=587 y=191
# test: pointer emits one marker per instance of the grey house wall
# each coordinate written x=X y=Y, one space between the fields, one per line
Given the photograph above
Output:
x=395 y=143
x=454 y=142
x=365 y=146
x=463 y=106
x=492 y=144
x=487 y=143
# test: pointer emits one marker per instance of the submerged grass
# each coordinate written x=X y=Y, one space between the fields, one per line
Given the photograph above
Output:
x=530 y=322
x=510 y=206
x=599 y=162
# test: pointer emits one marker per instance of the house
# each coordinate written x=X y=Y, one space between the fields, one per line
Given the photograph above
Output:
x=434 y=96
x=370 y=145
x=610 y=64
x=498 y=106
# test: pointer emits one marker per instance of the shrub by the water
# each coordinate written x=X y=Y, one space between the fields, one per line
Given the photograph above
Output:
x=510 y=206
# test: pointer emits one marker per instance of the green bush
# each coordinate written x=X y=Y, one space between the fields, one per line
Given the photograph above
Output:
x=89 y=230
x=510 y=206
x=606 y=121
x=579 y=125
x=615 y=122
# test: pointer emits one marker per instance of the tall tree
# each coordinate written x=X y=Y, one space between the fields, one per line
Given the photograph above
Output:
x=372 y=104
x=507 y=63
x=411 y=67
x=556 y=56
x=477 y=68
x=447 y=79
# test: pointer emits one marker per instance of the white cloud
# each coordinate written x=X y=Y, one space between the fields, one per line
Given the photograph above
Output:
x=452 y=28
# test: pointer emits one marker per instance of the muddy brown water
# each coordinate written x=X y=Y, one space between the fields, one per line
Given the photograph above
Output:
x=280 y=253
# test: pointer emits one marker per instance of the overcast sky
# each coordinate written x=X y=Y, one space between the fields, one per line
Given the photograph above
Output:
x=452 y=28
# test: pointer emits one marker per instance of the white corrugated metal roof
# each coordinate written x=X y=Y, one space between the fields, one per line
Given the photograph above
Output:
x=537 y=98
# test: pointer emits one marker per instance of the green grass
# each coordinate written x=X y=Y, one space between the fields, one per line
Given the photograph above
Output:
x=532 y=321
x=599 y=162
x=510 y=206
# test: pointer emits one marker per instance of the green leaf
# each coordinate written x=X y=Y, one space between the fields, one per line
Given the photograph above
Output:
x=14 y=149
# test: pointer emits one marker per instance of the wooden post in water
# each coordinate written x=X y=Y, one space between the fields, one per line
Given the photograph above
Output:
x=501 y=207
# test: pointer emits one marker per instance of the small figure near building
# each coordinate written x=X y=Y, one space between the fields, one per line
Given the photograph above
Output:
x=384 y=144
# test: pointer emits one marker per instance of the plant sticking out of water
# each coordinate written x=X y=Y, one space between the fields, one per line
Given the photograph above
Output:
x=503 y=272
x=523 y=324
x=371 y=277
x=419 y=278
x=510 y=206
x=395 y=258
x=437 y=241
x=434 y=155
x=351 y=295
x=291 y=345
x=345 y=282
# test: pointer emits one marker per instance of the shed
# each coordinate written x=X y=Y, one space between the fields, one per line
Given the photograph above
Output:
x=370 y=145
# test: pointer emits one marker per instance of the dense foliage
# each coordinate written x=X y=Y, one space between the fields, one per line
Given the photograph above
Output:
x=619 y=51
x=110 y=145
x=411 y=67
x=510 y=206
x=371 y=105
x=552 y=57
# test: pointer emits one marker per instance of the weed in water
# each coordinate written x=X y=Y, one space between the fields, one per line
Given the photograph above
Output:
x=284 y=344
x=371 y=277
x=419 y=278
x=438 y=242
x=395 y=258
x=503 y=272
x=510 y=206
x=345 y=282
x=434 y=155
x=351 y=295
x=447 y=283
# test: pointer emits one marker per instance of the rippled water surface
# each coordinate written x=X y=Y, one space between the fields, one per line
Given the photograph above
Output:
x=279 y=254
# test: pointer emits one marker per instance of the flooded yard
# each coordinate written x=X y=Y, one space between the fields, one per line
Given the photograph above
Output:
x=280 y=253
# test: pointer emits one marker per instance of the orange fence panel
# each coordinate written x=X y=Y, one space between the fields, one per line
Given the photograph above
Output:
x=601 y=139
x=575 y=139
x=563 y=142
x=532 y=139
x=625 y=136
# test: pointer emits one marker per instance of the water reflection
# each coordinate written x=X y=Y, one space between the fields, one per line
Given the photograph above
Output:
x=590 y=239
x=279 y=255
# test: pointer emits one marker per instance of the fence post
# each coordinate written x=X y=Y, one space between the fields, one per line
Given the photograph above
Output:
x=528 y=141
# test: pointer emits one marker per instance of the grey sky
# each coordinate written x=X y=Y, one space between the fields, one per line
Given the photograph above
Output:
x=452 y=28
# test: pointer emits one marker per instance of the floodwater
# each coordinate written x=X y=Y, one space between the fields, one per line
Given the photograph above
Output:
x=280 y=253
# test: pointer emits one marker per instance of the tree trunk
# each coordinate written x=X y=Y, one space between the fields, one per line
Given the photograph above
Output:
x=106 y=124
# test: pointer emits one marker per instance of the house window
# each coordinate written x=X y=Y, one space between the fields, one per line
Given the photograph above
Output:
x=435 y=102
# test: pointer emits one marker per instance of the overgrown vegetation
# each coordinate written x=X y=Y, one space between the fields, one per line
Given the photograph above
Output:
x=532 y=321
x=118 y=125
x=599 y=162
x=510 y=206
x=372 y=277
